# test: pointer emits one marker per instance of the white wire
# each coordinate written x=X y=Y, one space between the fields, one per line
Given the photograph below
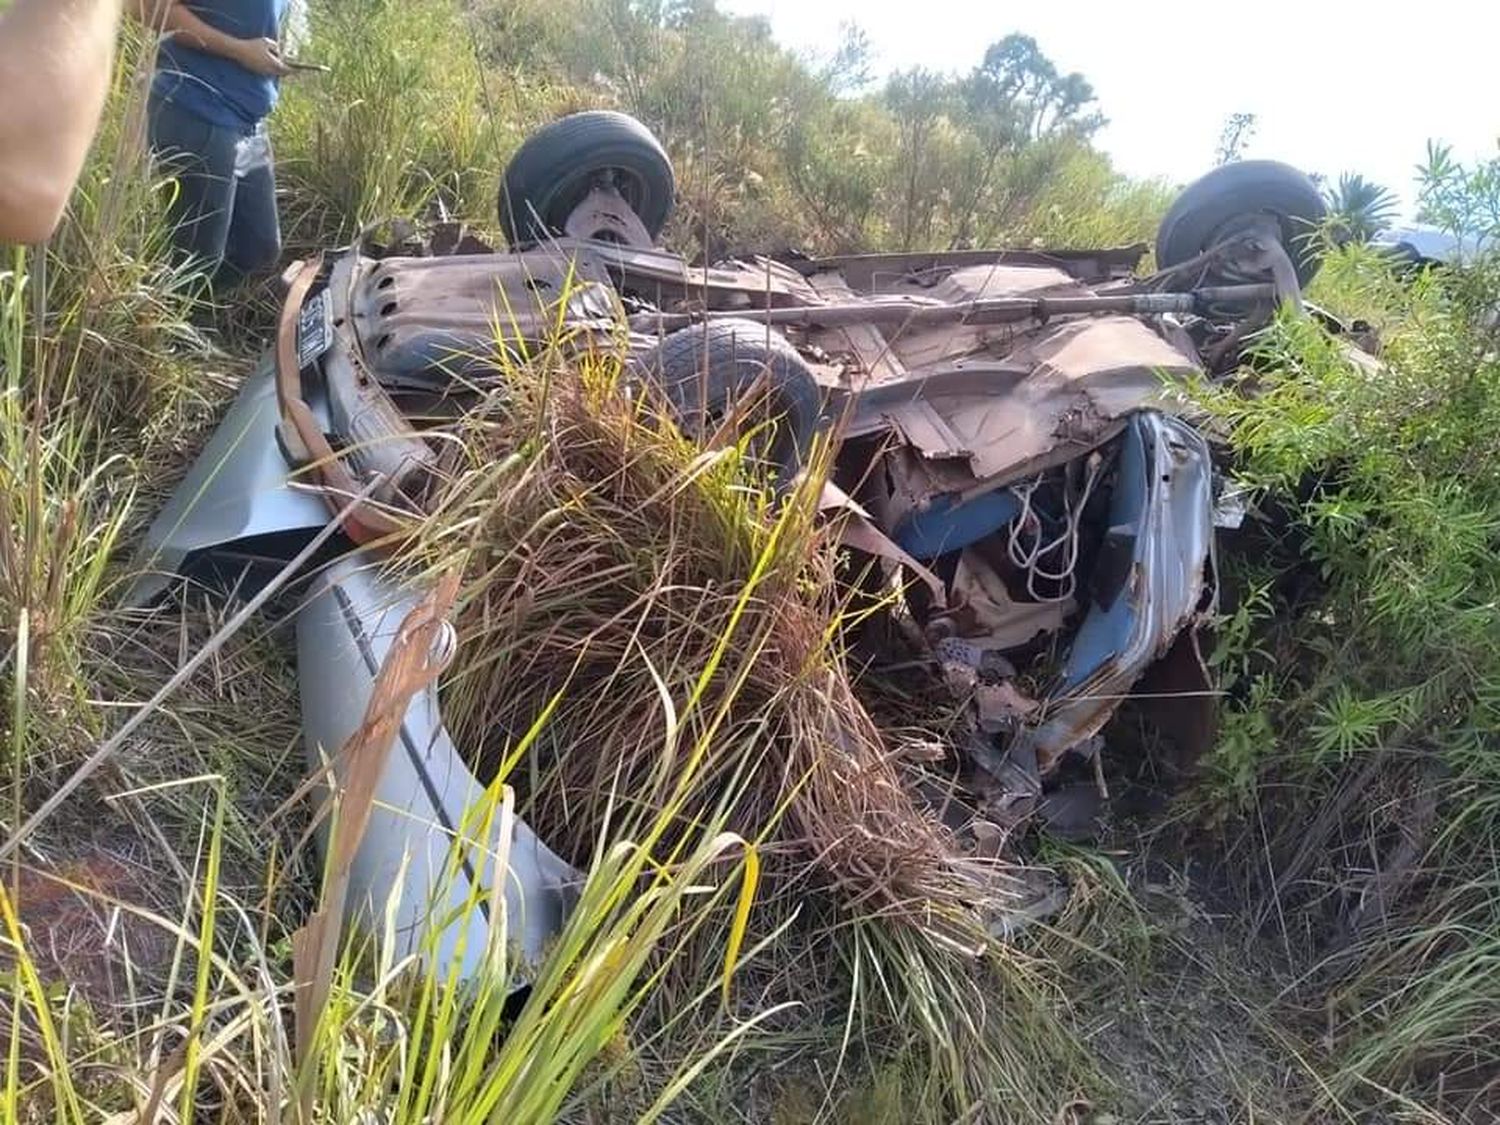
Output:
x=1031 y=561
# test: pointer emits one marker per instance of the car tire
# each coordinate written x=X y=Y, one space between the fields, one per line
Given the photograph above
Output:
x=557 y=166
x=1238 y=190
x=704 y=369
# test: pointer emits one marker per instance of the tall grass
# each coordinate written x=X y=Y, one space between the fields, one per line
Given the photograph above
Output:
x=97 y=356
x=406 y=121
x=102 y=368
x=652 y=667
x=682 y=633
x=398 y=1038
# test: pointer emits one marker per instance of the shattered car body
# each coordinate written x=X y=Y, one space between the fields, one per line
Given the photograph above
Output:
x=1011 y=452
x=234 y=521
x=426 y=797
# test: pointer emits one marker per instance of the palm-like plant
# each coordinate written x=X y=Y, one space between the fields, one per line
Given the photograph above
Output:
x=1359 y=208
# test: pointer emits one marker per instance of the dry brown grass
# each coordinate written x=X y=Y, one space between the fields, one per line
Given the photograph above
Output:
x=681 y=632
x=649 y=598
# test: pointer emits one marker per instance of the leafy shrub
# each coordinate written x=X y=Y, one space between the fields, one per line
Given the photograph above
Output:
x=402 y=121
x=426 y=101
x=1376 y=743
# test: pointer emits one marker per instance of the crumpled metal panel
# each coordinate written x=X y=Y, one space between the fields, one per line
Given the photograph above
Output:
x=405 y=867
x=420 y=320
x=922 y=346
x=994 y=279
x=873 y=272
x=665 y=278
x=1161 y=512
x=237 y=491
x=1066 y=389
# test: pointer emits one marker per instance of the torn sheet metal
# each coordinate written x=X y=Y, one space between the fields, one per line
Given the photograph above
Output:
x=422 y=855
x=1002 y=706
x=864 y=343
x=236 y=502
x=990 y=613
x=1076 y=383
x=857 y=530
x=1154 y=585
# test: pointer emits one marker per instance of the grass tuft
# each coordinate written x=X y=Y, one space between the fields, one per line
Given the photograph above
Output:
x=678 y=628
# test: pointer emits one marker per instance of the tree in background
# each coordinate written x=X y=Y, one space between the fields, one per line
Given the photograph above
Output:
x=918 y=99
x=969 y=146
x=848 y=69
x=1238 y=129
x=1022 y=85
x=1013 y=99
x=1359 y=208
x=773 y=149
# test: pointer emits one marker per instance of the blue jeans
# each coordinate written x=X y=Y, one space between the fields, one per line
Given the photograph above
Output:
x=223 y=213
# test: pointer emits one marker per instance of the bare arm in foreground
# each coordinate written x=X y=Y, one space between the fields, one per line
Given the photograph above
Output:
x=55 y=62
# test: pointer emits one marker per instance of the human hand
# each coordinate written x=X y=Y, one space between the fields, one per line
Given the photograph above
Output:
x=261 y=56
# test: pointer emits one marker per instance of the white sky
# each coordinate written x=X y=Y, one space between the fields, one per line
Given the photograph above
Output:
x=1336 y=85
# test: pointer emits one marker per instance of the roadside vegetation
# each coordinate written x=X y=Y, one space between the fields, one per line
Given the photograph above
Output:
x=1362 y=727
x=427 y=100
x=1308 y=931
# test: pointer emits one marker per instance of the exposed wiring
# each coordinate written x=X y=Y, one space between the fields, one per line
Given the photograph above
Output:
x=1031 y=560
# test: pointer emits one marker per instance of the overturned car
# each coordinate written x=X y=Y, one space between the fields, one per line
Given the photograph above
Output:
x=1011 y=450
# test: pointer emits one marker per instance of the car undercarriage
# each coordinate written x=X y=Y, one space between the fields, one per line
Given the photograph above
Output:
x=1012 y=456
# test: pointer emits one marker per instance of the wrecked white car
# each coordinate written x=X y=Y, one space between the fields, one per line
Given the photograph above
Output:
x=1012 y=451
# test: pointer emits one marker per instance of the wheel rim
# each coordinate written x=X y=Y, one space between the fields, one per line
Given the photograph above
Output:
x=553 y=211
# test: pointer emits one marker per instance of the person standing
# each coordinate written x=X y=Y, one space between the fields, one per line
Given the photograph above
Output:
x=55 y=58
x=216 y=81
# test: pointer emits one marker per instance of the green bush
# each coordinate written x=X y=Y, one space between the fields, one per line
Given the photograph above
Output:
x=401 y=123
x=1370 y=720
x=427 y=100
